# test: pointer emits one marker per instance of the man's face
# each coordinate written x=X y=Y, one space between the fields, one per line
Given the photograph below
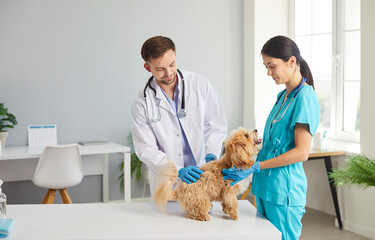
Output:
x=164 y=68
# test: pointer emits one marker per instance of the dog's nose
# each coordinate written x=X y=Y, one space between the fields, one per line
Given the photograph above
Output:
x=255 y=130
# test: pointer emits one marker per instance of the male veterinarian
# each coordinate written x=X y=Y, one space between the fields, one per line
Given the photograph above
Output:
x=177 y=116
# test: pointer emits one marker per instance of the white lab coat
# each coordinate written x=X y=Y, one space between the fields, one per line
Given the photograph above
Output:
x=205 y=125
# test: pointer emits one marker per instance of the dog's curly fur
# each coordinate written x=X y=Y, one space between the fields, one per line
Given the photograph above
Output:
x=196 y=198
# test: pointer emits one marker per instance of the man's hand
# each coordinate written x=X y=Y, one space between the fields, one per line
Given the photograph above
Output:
x=189 y=174
x=210 y=157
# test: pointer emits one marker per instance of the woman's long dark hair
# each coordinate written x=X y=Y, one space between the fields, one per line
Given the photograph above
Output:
x=283 y=47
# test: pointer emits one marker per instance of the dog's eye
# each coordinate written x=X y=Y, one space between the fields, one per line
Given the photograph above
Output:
x=246 y=135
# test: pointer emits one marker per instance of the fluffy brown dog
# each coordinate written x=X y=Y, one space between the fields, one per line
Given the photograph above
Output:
x=196 y=198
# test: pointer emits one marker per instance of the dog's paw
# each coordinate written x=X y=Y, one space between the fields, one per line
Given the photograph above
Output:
x=203 y=217
x=230 y=211
x=234 y=216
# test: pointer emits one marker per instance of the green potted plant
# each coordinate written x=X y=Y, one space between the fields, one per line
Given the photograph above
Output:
x=360 y=172
x=135 y=166
x=7 y=120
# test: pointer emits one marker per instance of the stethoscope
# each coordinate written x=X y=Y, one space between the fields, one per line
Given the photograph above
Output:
x=181 y=113
x=282 y=93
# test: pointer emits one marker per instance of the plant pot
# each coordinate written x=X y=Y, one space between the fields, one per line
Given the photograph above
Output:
x=3 y=138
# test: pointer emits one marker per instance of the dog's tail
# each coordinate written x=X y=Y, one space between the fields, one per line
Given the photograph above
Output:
x=164 y=191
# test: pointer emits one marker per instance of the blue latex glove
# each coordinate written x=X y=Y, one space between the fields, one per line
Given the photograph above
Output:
x=238 y=174
x=210 y=157
x=189 y=174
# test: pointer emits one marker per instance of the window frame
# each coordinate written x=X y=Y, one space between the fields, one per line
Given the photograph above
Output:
x=336 y=130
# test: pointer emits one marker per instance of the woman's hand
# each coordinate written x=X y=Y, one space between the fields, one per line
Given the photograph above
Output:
x=238 y=174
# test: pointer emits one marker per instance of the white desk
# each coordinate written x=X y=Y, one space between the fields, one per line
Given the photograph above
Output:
x=134 y=221
x=326 y=156
x=24 y=152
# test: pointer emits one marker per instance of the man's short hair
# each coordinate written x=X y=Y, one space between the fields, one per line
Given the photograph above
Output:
x=156 y=47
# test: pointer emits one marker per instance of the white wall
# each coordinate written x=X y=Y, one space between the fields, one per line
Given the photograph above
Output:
x=264 y=19
x=77 y=63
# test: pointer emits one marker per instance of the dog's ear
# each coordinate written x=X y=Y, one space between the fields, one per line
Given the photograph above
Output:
x=227 y=147
x=241 y=156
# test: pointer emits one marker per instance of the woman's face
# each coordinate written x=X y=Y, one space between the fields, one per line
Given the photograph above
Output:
x=278 y=69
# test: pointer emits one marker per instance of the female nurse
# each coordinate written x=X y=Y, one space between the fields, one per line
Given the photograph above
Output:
x=279 y=181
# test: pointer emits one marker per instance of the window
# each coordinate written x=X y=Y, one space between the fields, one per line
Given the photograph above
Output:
x=328 y=35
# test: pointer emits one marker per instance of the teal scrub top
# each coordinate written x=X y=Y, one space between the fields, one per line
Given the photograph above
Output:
x=286 y=185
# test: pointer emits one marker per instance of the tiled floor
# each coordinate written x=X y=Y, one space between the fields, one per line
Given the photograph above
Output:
x=319 y=225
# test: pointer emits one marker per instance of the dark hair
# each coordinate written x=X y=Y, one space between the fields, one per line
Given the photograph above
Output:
x=156 y=47
x=283 y=47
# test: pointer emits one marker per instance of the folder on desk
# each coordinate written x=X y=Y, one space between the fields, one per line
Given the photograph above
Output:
x=92 y=143
x=6 y=227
